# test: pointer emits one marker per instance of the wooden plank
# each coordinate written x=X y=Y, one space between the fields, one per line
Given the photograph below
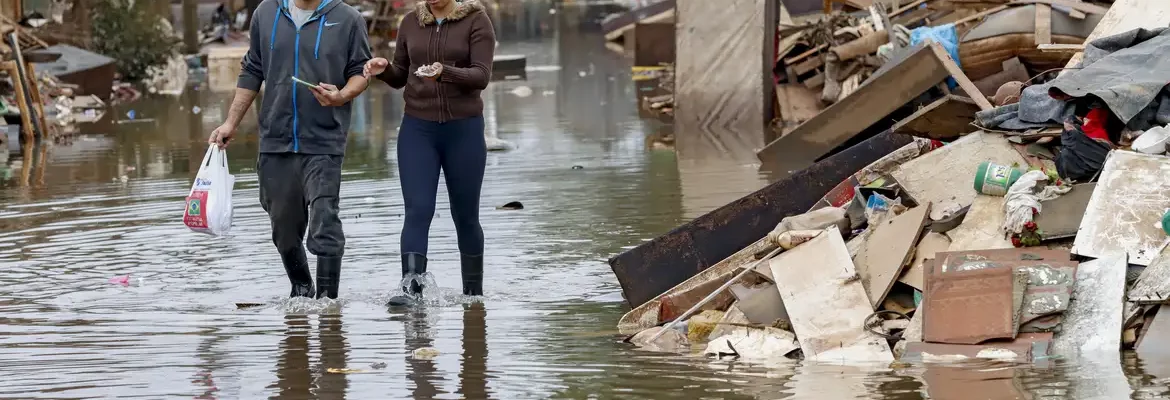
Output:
x=685 y=254
x=1043 y=24
x=887 y=250
x=26 y=126
x=947 y=174
x=1125 y=211
x=721 y=101
x=809 y=293
x=980 y=15
x=905 y=8
x=961 y=79
x=981 y=228
x=931 y=244
x=1061 y=217
x=1123 y=16
x=885 y=93
x=1093 y=322
x=946 y=119
x=1061 y=48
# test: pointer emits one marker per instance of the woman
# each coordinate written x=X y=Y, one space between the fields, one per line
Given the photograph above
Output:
x=453 y=42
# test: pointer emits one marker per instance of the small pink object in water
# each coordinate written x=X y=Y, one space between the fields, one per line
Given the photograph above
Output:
x=123 y=280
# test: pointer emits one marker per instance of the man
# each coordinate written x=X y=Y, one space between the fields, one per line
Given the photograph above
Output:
x=302 y=139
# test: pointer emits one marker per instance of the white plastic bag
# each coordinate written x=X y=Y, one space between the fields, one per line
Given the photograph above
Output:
x=209 y=205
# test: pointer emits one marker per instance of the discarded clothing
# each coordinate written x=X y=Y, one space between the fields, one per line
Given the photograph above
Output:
x=1081 y=157
x=1126 y=71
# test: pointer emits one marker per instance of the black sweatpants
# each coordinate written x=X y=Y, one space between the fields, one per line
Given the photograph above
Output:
x=458 y=149
x=299 y=192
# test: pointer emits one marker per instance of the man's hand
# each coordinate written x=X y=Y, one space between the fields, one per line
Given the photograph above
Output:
x=375 y=67
x=328 y=95
x=222 y=135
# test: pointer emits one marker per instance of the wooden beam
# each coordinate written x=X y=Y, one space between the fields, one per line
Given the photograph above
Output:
x=1061 y=48
x=1072 y=5
x=925 y=66
x=905 y=8
x=979 y=16
x=1043 y=24
x=946 y=119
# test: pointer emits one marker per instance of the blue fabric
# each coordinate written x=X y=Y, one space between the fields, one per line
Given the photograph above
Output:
x=945 y=35
x=458 y=149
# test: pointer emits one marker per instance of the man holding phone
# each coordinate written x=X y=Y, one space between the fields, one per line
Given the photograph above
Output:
x=302 y=140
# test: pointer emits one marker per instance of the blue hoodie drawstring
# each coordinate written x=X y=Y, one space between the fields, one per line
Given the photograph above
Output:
x=275 y=23
x=320 y=28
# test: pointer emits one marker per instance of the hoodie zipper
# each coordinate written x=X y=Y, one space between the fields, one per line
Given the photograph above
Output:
x=438 y=55
x=297 y=70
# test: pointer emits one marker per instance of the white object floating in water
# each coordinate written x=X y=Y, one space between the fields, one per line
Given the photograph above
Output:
x=552 y=11
x=522 y=91
x=424 y=353
x=370 y=200
x=582 y=73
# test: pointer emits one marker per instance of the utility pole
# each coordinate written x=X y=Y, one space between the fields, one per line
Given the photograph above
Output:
x=191 y=26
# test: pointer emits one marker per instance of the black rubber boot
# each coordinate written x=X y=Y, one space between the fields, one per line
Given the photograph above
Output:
x=412 y=263
x=297 y=268
x=472 y=268
x=328 y=276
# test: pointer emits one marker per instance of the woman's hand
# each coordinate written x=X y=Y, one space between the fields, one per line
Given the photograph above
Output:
x=438 y=68
x=376 y=66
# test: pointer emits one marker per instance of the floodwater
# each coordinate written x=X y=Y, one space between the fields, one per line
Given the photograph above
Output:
x=75 y=214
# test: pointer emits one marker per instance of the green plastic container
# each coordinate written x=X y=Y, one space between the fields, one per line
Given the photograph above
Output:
x=1166 y=222
x=994 y=180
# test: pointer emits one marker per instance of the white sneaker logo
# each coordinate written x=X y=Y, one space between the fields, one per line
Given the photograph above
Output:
x=327 y=24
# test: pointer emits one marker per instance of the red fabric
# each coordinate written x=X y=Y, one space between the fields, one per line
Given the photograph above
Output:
x=1094 y=125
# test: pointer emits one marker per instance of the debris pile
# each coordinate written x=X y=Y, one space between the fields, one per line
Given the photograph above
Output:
x=1022 y=224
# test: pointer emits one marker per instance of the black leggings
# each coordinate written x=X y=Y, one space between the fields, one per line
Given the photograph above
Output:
x=458 y=148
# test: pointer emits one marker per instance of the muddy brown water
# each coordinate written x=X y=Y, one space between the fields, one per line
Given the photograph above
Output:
x=69 y=222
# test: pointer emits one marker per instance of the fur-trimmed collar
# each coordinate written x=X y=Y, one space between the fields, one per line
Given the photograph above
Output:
x=462 y=10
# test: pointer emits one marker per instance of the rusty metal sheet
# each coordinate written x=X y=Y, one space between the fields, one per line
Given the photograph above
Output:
x=654 y=267
x=1049 y=287
x=971 y=307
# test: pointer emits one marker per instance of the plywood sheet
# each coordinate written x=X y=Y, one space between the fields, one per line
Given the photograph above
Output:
x=945 y=119
x=948 y=173
x=1153 y=285
x=930 y=244
x=1093 y=322
x=827 y=304
x=1061 y=217
x=720 y=95
x=981 y=228
x=1125 y=211
x=886 y=251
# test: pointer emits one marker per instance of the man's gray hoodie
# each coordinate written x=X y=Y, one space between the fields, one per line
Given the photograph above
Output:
x=331 y=47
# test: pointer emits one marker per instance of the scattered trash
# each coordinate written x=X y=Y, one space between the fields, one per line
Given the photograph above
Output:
x=578 y=167
x=243 y=306
x=512 y=205
x=378 y=365
x=952 y=247
x=346 y=371
x=123 y=280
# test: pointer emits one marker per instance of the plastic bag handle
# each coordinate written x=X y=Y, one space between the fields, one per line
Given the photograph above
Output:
x=207 y=156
